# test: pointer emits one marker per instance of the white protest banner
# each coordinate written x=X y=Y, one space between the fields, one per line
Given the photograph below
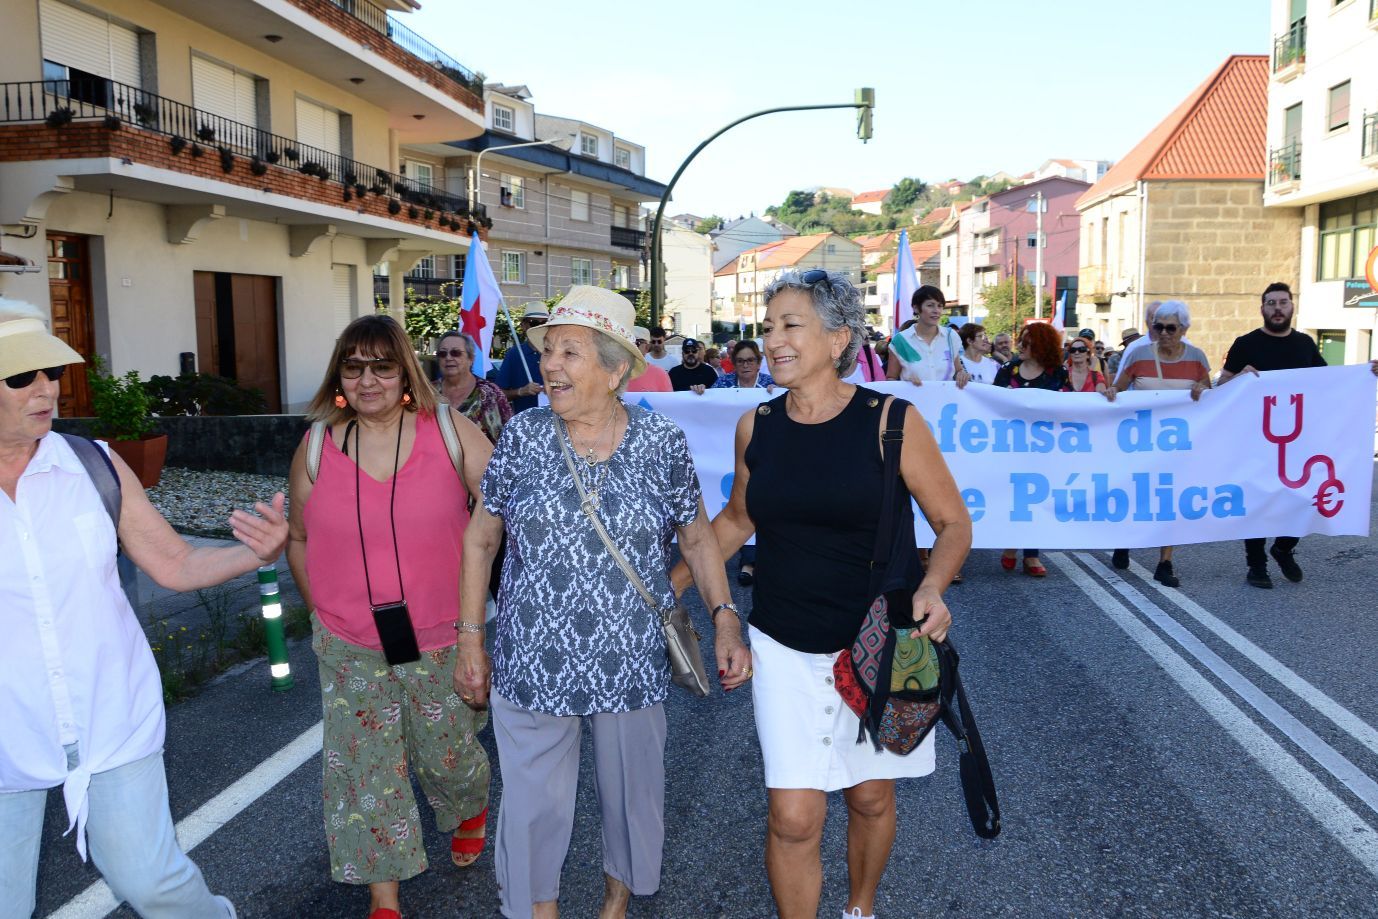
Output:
x=1283 y=453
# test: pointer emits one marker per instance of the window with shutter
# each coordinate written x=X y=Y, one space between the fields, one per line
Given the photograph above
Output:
x=93 y=44
x=342 y=295
x=318 y=126
x=224 y=91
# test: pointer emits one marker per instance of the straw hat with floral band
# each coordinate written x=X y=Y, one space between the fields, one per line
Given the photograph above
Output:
x=27 y=348
x=599 y=309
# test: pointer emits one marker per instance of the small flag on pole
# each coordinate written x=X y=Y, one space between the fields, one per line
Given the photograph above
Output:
x=479 y=300
x=1060 y=314
x=906 y=282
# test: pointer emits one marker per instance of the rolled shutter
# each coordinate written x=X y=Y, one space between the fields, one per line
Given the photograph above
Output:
x=318 y=126
x=342 y=295
x=219 y=90
x=76 y=38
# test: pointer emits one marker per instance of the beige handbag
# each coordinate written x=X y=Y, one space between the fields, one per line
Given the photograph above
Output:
x=681 y=640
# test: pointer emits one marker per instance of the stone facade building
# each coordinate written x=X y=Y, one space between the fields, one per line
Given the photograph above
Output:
x=1181 y=217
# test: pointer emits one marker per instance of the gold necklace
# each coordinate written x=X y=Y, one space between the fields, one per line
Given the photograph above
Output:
x=590 y=456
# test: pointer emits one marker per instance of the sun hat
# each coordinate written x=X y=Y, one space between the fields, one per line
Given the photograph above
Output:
x=599 y=309
x=641 y=333
x=536 y=311
x=26 y=344
x=1129 y=335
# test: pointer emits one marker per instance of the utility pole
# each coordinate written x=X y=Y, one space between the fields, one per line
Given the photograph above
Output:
x=1038 y=254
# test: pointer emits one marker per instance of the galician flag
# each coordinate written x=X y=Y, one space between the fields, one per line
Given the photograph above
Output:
x=479 y=300
x=906 y=282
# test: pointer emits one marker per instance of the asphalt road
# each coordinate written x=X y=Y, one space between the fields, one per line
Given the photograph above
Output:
x=1211 y=751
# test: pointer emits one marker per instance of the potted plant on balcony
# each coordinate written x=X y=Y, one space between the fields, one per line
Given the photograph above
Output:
x=121 y=406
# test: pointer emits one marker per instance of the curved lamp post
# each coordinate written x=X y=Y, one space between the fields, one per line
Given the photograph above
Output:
x=864 y=102
x=476 y=183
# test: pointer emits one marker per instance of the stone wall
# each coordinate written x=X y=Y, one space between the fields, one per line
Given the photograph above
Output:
x=262 y=444
x=1214 y=245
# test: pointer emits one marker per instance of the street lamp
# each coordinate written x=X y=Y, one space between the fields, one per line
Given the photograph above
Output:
x=476 y=180
x=864 y=102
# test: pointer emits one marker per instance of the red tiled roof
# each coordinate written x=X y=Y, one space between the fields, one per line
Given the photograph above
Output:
x=867 y=197
x=877 y=241
x=921 y=251
x=1220 y=131
x=935 y=216
x=779 y=254
x=1068 y=163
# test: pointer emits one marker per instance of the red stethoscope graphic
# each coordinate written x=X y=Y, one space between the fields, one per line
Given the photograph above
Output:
x=1327 y=504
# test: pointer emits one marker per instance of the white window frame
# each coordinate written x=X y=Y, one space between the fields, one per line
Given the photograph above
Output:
x=516 y=191
x=622 y=157
x=501 y=112
x=621 y=276
x=511 y=258
x=588 y=145
x=581 y=271
x=580 y=200
x=414 y=169
x=425 y=268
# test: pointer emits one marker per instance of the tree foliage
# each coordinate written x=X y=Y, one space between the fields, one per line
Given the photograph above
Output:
x=1003 y=314
x=818 y=212
x=708 y=224
x=903 y=196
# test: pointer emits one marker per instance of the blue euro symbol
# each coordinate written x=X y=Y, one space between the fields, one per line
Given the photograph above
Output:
x=727 y=486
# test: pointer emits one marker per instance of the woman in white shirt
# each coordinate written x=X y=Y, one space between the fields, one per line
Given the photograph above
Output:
x=976 y=349
x=84 y=702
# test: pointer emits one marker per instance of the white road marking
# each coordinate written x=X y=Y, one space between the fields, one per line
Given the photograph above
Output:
x=1334 y=762
x=1334 y=816
x=1343 y=718
x=97 y=901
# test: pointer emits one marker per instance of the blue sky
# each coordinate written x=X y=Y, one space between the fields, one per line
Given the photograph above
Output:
x=962 y=87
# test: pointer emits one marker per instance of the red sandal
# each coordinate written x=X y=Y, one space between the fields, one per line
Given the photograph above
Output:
x=469 y=845
x=1034 y=568
x=1007 y=562
x=385 y=914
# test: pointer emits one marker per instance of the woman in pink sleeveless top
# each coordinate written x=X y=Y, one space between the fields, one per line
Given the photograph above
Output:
x=376 y=541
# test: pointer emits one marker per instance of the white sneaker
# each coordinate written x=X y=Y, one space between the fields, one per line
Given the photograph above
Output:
x=855 y=913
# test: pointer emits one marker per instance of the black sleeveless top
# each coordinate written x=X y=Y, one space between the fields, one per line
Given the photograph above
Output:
x=814 y=496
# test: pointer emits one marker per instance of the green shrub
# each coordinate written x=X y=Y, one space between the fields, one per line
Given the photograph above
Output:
x=203 y=394
x=121 y=404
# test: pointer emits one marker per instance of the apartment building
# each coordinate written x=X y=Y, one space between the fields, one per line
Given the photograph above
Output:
x=568 y=211
x=688 y=259
x=1322 y=139
x=879 y=292
x=1181 y=216
x=219 y=179
x=739 y=286
x=998 y=236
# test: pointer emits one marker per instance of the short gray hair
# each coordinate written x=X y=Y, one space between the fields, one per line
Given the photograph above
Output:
x=837 y=301
x=469 y=344
x=1174 y=309
x=611 y=355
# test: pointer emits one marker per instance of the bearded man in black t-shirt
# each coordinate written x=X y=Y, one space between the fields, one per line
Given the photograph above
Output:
x=1275 y=346
x=692 y=373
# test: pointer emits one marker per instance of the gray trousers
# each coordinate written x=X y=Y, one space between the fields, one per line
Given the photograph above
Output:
x=538 y=756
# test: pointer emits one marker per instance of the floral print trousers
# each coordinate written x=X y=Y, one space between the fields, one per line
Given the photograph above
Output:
x=380 y=720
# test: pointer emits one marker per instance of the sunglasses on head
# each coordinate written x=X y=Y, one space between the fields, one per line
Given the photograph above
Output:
x=1168 y=327
x=25 y=379
x=814 y=276
x=351 y=368
x=452 y=352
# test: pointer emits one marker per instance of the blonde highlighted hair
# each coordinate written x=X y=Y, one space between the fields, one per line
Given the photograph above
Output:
x=377 y=337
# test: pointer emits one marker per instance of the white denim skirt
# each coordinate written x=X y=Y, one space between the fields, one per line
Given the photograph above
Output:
x=808 y=734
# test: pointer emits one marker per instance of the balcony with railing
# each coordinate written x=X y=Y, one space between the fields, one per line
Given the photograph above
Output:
x=1368 y=150
x=132 y=120
x=628 y=238
x=377 y=19
x=1289 y=51
x=1284 y=167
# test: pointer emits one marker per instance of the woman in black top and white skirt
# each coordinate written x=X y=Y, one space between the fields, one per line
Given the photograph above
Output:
x=809 y=485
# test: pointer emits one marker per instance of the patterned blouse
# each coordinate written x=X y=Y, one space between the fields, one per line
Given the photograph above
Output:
x=573 y=637
x=729 y=381
x=487 y=407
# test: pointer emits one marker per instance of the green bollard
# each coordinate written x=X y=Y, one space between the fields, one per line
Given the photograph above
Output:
x=268 y=594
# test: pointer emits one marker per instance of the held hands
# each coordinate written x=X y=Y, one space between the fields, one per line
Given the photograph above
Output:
x=1107 y=391
x=264 y=532
x=473 y=672
x=931 y=613
x=734 y=657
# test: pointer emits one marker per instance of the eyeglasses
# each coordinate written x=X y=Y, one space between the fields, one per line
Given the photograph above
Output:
x=25 y=379
x=453 y=352
x=1169 y=327
x=747 y=360
x=384 y=368
x=1284 y=301
x=814 y=275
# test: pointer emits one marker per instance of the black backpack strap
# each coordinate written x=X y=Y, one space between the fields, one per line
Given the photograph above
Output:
x=102 y=472
x=978 y=783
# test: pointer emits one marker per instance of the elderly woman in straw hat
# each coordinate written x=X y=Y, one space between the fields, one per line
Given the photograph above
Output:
x=574 y=640
x=83 y=700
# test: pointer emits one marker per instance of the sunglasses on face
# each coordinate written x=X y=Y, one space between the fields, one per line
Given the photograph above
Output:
x=534 y=322
x=453 y=352
x=1078 y=350
x=25 y=379
x=351 y=368
x=1168 y=327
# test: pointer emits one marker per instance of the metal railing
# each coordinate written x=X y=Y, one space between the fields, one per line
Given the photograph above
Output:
x=1290 y=47
x=628 y=238
x=377 y=19
x=1284 y=164
x=1370 y=132
x=58 y=102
